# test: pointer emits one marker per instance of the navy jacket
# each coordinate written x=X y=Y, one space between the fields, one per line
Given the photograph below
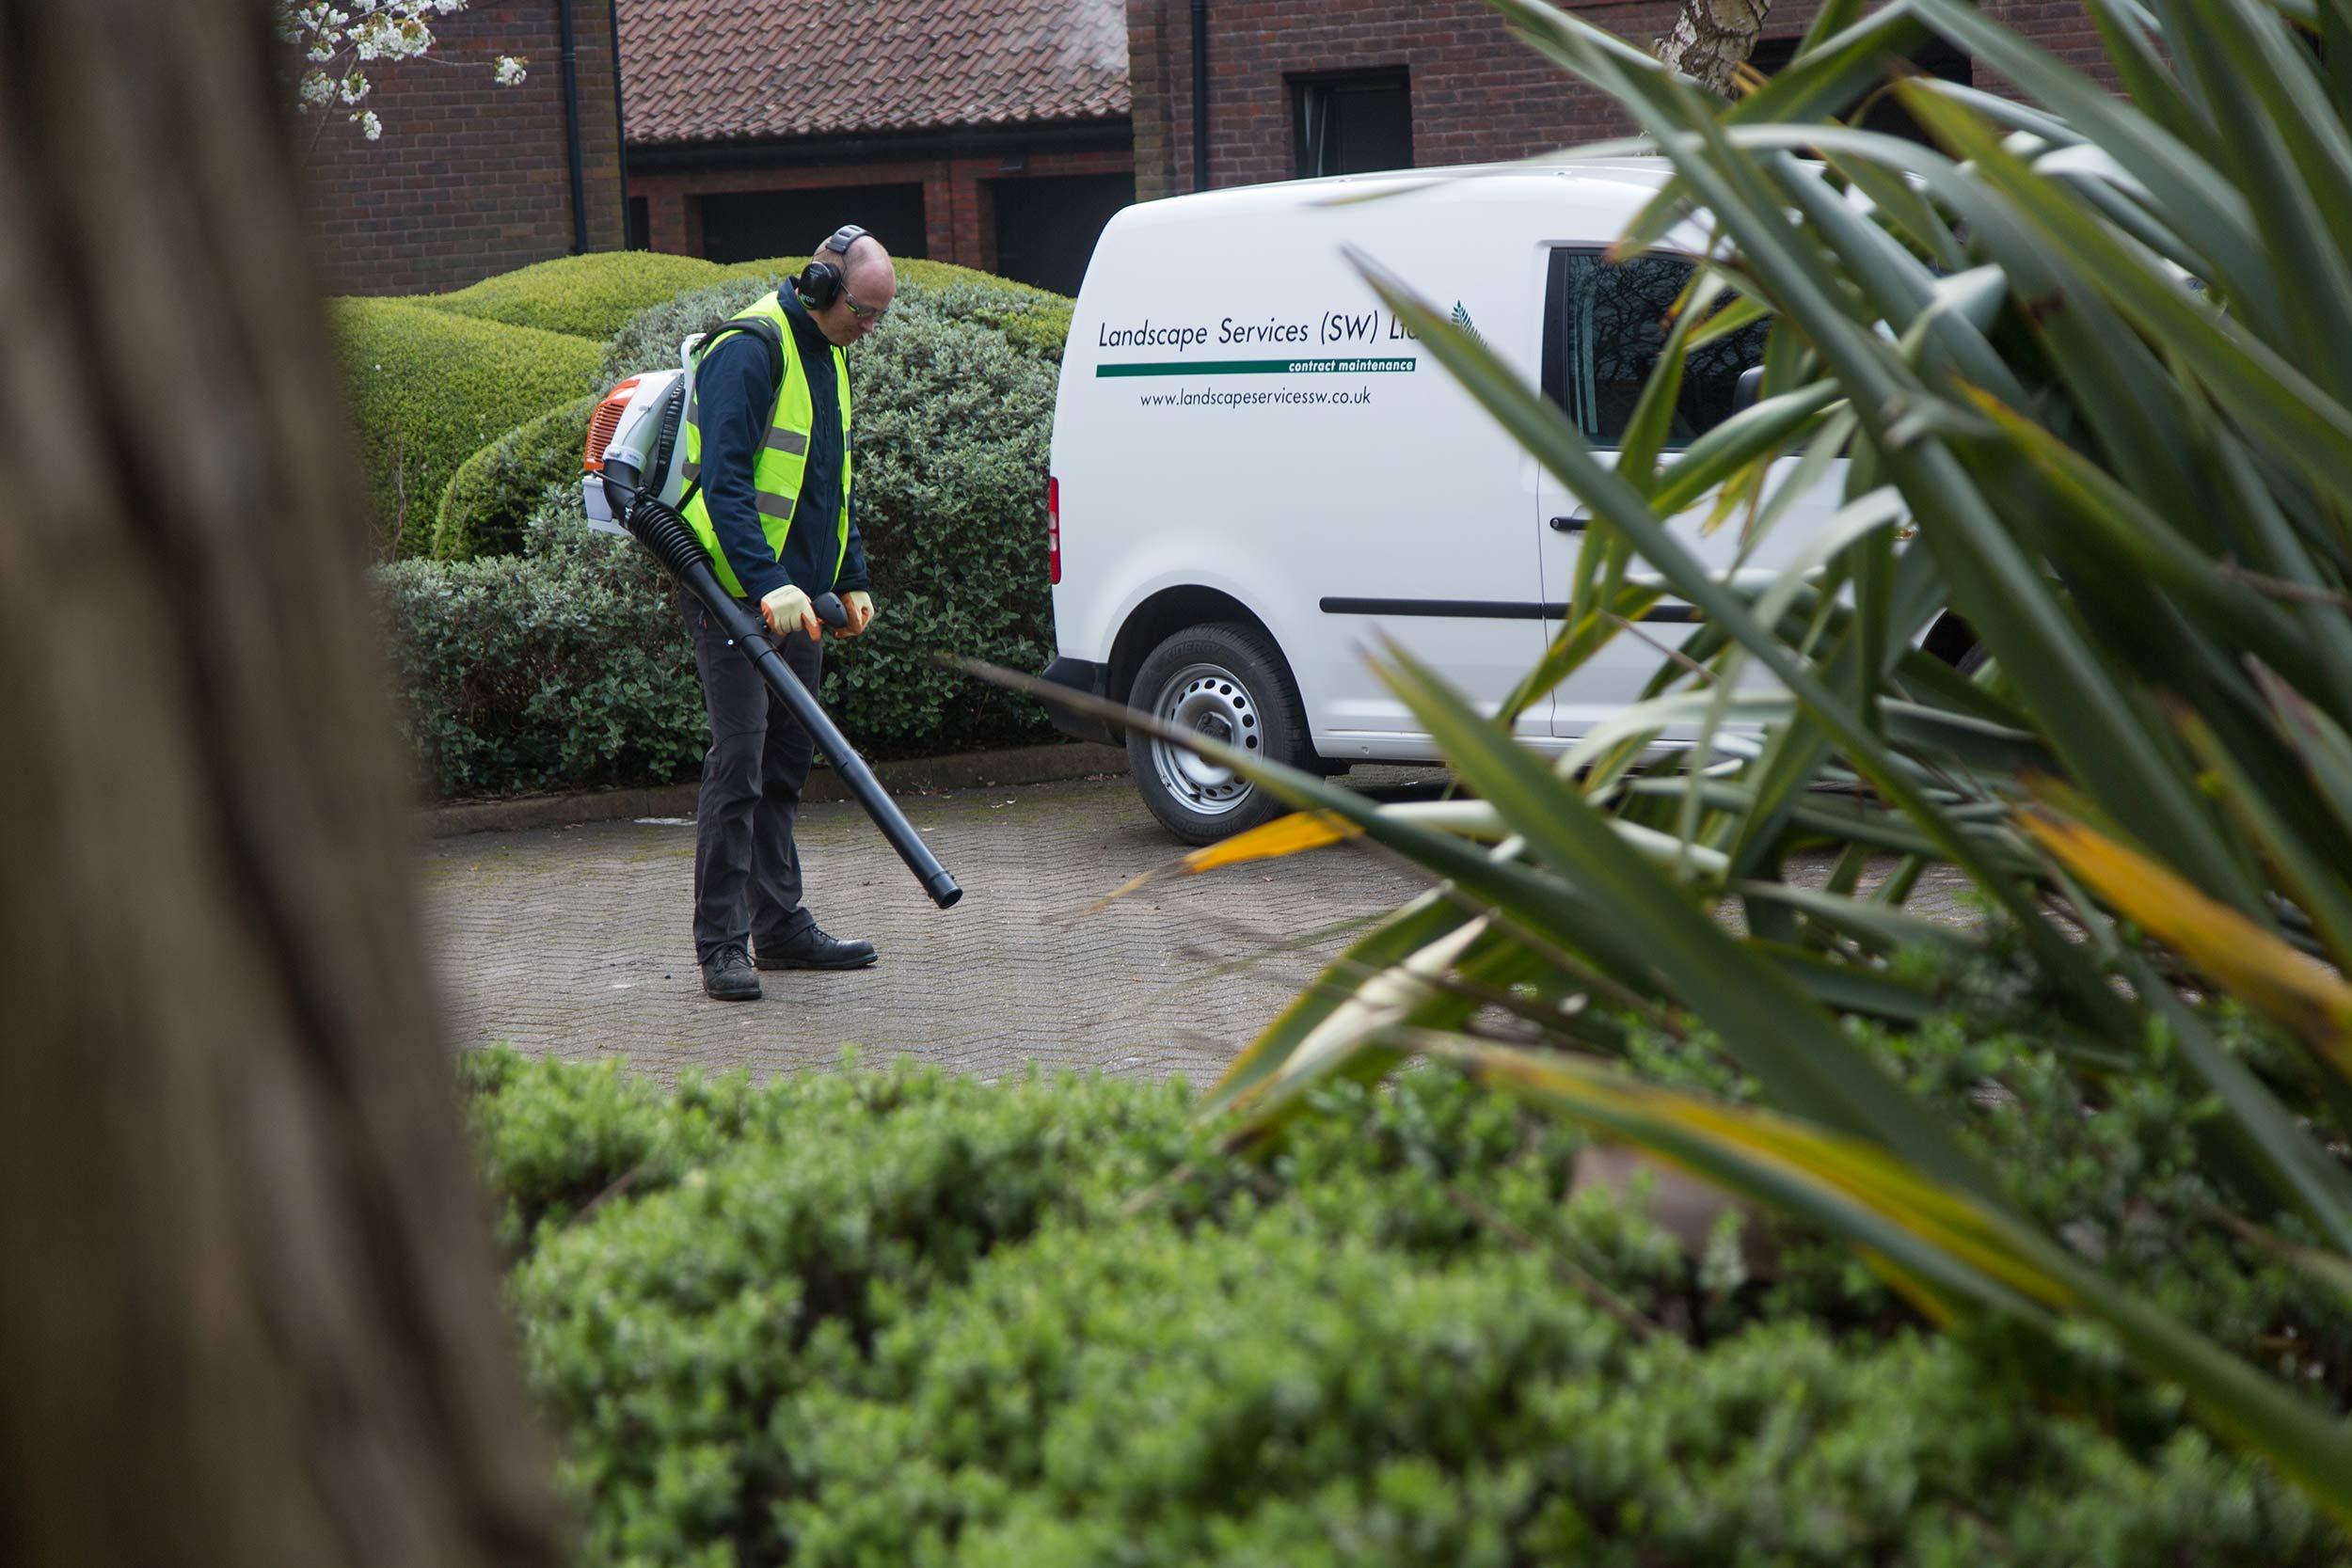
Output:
x=736 y=399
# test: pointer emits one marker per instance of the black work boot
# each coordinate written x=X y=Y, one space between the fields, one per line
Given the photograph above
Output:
x=810 y=948
x=729 y=974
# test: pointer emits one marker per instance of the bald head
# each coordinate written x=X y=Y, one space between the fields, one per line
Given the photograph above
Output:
x=868 y=262
x=869 y=283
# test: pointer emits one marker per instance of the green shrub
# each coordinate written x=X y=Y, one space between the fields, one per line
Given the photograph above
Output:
x=568 y=666
x=648 y=340
x=953 y=428
x=1043 y=332
x=907 y=1318
x=955 y=408
x=588 y=297
x=773 y=270
x=493 y=493
x=1032 y=320
x=428 y=388
x=504 y=687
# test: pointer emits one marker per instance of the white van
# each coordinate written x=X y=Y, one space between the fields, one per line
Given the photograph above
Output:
x=1255 y=469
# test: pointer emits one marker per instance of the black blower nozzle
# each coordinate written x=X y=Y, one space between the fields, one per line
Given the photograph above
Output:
x=660 y=530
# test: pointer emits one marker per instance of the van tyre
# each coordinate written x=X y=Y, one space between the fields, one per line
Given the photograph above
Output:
x=1227 y=680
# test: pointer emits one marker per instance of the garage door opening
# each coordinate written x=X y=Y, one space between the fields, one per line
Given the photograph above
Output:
x=1046 y=227
x=752 y=226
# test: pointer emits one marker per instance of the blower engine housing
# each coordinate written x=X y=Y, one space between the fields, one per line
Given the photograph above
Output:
x=635 y=431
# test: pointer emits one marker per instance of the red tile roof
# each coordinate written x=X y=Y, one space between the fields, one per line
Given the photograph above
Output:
x=698 y=70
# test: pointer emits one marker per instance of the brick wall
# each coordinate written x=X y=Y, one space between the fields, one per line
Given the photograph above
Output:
x=469 y=178
x=1477 y=93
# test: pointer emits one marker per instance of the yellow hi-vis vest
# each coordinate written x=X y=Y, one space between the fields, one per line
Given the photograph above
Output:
x=783 y=457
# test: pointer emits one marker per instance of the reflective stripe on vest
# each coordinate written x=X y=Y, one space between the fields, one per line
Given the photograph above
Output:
x=783 y=457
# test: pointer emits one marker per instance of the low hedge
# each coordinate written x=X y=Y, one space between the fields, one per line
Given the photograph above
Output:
x=490 y=498
x=588 y=297
x=955 y=408
x=503 y=693
x=910 y=1319
x=566 y=667
x=923 y=274
x=482 y=510
x=1036 y=321
x=953 y=431
x=429 y=389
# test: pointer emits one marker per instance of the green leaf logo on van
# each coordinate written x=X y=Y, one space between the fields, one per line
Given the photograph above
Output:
x=1462 y=320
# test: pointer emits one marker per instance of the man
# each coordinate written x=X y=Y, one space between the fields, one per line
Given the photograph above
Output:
x=768 y=439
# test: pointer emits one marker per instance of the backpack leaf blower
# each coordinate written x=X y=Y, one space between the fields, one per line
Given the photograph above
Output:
x=633 y=460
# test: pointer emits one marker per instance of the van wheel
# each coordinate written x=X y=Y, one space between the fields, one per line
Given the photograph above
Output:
x=1227 y=681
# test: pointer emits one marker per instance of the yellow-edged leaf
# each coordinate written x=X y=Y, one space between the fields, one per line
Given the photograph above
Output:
x=2237 y=955
x=1295 y=834
x=1858 y=1173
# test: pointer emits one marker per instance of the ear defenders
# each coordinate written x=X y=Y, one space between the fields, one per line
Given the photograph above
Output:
x=820 y=283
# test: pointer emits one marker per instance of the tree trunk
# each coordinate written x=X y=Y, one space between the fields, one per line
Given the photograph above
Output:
x=1712 y=39
x=248 y=1309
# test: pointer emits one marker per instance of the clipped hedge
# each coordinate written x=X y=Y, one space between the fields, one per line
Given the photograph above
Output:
x=923 y=274
x=955 y=408
x=492 y=496
x=566 y=667
x=588 y=297
x=429 y=389
x=955 y=401
x=1035 y=321
x=954 y=426
x=909 y=1320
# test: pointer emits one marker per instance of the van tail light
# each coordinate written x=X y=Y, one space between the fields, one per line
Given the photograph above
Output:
x=607 y=419
x=1053 y=528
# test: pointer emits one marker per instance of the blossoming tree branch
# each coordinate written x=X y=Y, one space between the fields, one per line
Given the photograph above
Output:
x=339 y=42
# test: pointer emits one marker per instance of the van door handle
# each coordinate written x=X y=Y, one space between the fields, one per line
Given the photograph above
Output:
x=1573 y=523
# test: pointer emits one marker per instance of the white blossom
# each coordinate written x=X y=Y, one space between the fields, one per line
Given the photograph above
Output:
x=367 y=32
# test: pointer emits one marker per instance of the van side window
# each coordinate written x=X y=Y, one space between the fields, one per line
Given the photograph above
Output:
x=1604 y=325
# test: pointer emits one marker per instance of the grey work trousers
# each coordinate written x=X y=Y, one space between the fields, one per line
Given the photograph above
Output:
x=747 y=874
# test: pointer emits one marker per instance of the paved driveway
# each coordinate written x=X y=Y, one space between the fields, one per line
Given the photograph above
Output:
x=574 y=941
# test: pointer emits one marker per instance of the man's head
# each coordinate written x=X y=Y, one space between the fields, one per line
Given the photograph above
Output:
x=847 y=308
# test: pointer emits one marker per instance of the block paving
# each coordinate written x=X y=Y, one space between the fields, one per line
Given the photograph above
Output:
x=574 y=941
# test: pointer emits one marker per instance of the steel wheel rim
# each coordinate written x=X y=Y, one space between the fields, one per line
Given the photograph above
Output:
x=1212 y=700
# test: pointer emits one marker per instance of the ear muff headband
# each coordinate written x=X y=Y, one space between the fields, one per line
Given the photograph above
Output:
x=820 y=283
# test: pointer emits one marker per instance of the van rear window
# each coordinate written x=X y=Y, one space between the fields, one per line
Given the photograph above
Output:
x=1607 y=322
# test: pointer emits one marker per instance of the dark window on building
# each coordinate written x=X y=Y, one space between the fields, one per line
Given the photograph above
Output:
x=758 y=225
x=1935 y=58
x=1605 y=323
x=640 y=220
x=1046 y=227
x=1352 y=124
